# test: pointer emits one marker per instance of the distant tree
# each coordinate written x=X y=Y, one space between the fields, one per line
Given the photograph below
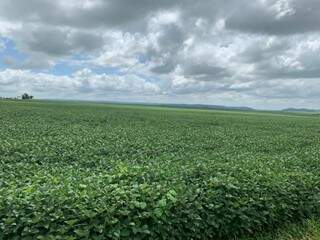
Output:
x=26 y=96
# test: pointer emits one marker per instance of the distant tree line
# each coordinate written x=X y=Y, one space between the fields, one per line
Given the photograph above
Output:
x=24 y=96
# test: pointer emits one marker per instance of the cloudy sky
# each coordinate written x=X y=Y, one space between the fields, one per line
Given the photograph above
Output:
x=262 y=53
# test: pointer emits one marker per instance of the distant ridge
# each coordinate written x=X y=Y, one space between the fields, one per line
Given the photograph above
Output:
x=300 y=110
x=205 y=106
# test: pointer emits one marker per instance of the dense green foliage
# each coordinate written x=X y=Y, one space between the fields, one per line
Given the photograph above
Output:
x=98 y=171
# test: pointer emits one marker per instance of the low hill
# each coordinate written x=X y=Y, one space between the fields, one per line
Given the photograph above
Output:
x=300 y=110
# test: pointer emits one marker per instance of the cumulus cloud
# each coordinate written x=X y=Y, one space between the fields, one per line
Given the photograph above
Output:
x=262 y=53
x=84 y=82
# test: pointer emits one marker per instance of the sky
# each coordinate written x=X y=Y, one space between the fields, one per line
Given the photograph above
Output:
x=263 y=54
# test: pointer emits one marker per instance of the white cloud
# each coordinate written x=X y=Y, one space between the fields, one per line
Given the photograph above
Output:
x=121 y=50
x=82 y=82
x=282 y=8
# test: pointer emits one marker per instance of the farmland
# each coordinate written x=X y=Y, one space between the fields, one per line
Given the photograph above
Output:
x=103 y=171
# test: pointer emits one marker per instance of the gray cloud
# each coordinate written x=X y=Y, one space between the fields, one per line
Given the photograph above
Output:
x=202 y=69
x=52 y=42
x=83 y=14
x=86 y=41
x=277 y=17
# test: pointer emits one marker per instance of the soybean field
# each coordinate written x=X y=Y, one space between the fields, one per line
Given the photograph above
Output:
x=77 y=170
